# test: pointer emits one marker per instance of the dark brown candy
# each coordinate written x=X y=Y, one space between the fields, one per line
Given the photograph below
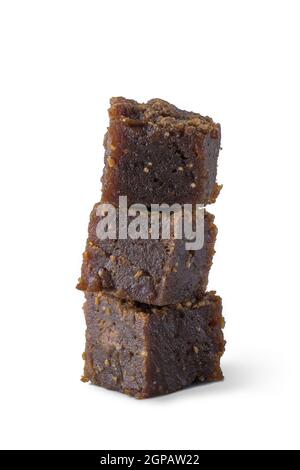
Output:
x=144 y=351
x=157 y=153
x=158 y=272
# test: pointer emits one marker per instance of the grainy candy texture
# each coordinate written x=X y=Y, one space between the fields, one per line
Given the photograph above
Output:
x=157 y=153
x=158 y=271
x=144 y=351
x=152 y=328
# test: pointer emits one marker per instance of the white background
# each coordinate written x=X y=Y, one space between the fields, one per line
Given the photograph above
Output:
x=237 y=61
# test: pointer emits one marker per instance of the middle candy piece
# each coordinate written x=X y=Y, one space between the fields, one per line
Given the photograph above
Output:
x=158 y=271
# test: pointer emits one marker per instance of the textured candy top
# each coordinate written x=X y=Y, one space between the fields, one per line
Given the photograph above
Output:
x=160 y=113
x=130 y=306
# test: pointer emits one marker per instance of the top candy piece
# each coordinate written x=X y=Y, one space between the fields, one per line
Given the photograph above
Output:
x=156 y=153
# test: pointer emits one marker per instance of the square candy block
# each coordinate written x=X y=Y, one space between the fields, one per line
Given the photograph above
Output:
x=156 y=153
x=152 y=271
x=144 y=351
